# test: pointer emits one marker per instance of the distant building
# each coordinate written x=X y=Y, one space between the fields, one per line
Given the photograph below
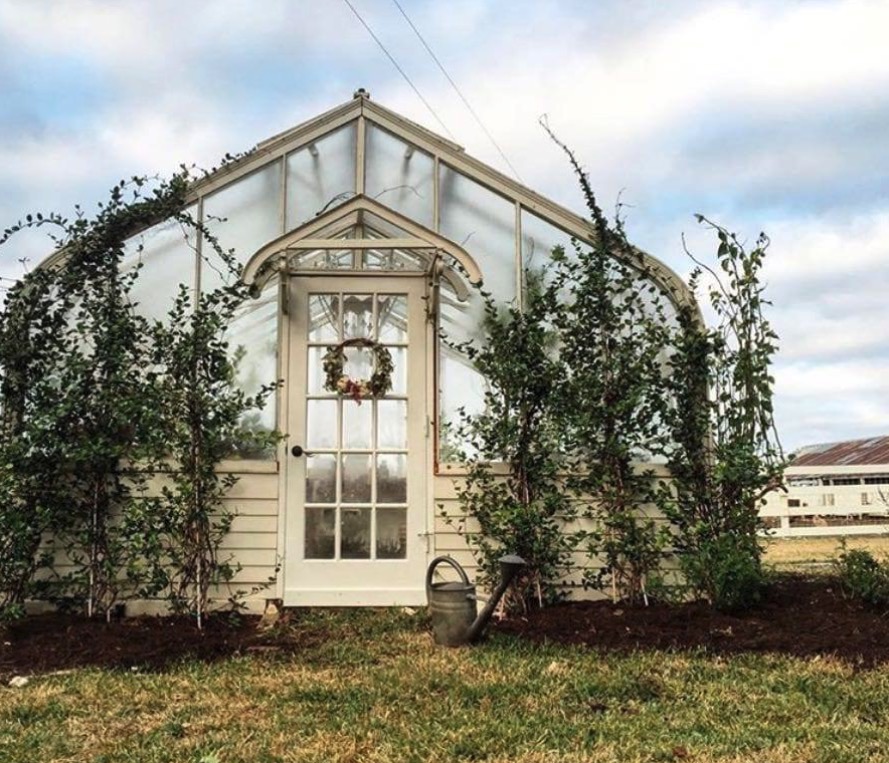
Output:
x=839 y=488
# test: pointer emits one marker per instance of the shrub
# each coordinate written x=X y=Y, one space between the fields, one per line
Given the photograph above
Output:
x=727 y=569
x=863 y=577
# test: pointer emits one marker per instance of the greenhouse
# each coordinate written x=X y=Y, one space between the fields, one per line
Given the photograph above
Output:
x=366 y=233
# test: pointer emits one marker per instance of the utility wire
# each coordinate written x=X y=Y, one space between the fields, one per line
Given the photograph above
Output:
x=400 y=70
x=458 y=91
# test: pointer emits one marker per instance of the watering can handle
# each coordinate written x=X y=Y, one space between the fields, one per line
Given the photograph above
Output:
x=447 y=560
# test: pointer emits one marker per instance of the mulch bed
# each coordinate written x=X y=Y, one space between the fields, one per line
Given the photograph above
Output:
x=49 y=643
x=799 y=617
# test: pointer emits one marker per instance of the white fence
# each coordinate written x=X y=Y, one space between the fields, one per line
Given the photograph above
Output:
x=808 y=509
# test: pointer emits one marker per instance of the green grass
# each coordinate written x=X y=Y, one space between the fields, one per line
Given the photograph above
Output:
x=377 y=689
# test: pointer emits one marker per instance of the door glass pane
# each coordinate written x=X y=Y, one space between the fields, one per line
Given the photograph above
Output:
x=357 y=424
x=320 y=533
x=391 y=533
x=359 y=363
x=355 y=534
x=391 y=478
x=321 y=424
x=392 y=424
x=324 y=318
x=392 y=318
x=321 y=478
x=356 y=479
x=399 y=371
x=316 y=370
x=357 y=315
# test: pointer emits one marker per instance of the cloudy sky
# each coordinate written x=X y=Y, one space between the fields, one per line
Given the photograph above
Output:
x=766 y=116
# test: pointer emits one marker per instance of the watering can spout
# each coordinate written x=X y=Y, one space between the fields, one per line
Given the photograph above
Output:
x=452 y=605
x=509 y=568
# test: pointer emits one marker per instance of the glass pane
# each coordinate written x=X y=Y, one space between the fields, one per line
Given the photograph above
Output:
x=484 y=224
x=324 y=259
x=357 y=316
x=357 y=424
x=392 y=423
x=320 y=175
x=320 y=533
x=539 y=238
x=317 y=376
x=168 y=259
x=243 y=216
x=399 y=371
x=460 y=384
x=253 y=346
x=391 y=533
x=391 y=478
x=324 y=318
x=462 y=387
x=321 y=424
x=392 y=318
x=355 y=534
x=356 y=479
x=460 y=321
x=321 y=478
x=359 y=363
x=399 y=175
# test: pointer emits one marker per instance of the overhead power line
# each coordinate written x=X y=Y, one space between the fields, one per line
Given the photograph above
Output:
x=400 y=70
x=458 y=91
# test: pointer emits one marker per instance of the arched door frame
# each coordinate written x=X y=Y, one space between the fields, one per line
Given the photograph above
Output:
x=274 y=256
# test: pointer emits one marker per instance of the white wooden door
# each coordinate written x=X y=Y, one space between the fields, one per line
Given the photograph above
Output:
x=356 y=509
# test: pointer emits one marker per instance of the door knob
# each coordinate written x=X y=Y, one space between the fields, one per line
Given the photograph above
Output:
x=297 y=450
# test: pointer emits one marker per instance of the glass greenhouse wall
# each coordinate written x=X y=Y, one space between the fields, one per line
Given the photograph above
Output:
x=309 y=173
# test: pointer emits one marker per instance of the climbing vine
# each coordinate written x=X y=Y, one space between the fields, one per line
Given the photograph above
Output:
x=92 y=407
x=598 y=373
x=613 y=332
x=521 y=510
x=726 y=451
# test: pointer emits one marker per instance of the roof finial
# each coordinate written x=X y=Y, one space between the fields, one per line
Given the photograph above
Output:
x=361 y=93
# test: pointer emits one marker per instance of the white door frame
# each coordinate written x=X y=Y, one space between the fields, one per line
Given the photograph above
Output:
x=351 y=582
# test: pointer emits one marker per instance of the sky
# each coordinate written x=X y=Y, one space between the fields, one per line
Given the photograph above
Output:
x=764 y=116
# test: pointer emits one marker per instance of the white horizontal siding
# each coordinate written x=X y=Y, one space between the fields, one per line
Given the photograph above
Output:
x=451 y=522
x=250 y=545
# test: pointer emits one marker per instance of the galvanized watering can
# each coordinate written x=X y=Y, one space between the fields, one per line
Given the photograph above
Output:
x=452 y=604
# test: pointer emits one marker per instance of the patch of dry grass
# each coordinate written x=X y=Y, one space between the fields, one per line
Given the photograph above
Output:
x=793 y=553
x=377 y=689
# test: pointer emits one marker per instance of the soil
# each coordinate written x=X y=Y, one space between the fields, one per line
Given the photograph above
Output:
x=54 y=643
x=799 y=617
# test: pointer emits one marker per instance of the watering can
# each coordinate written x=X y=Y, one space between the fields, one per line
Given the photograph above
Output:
x=452 y=604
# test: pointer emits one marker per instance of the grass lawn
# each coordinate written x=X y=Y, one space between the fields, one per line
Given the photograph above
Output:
x=372 y=687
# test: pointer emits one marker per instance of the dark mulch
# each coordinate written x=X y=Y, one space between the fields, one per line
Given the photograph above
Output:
x=53 y=642
x=799 y=616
